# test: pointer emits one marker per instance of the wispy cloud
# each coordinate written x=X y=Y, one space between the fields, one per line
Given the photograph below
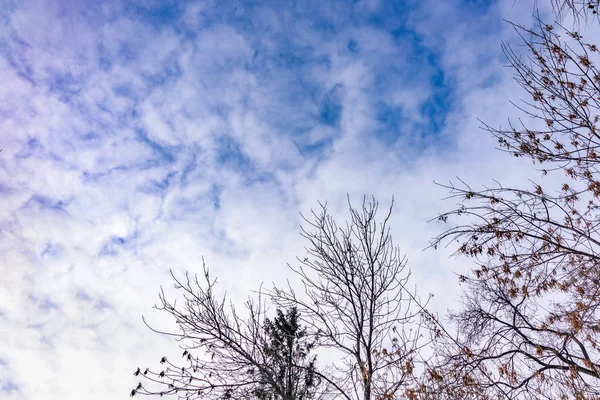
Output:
x=140 y=136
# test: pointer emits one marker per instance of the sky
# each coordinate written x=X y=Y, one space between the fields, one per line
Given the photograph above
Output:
x=140 y=136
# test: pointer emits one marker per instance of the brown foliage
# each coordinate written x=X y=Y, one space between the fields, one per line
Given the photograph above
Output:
x=529 y=326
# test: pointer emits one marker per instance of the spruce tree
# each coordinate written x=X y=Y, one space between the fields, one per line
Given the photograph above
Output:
x=288 y=347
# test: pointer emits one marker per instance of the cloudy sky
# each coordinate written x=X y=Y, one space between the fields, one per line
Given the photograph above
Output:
x=141 y=135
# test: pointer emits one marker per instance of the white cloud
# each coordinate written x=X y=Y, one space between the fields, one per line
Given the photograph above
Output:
x=131 y=149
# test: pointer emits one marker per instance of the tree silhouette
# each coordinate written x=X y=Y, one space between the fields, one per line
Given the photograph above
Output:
x=356 y=301
x=288 y=349
x=229 y=356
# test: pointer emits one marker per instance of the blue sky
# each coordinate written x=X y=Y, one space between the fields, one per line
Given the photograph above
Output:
x=139 y=136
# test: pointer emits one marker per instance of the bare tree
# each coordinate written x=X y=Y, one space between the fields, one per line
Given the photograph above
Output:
x=581 y=10
x=530 y=322
x=355 y=300
x=230 y=356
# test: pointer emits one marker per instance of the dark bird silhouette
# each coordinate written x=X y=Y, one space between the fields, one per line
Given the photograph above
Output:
x=146 y=371
x=132 y=393
x=137 y=372
x=163 y=360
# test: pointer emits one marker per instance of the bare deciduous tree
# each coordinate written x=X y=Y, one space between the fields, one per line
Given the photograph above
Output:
x=355 y=299
x=230 y=356
x=579 y=9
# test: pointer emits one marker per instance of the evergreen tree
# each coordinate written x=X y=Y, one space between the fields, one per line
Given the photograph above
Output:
x=287 y=348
